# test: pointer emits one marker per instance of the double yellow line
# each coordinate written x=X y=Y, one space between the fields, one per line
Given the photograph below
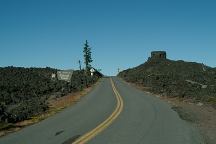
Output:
x=91 y=134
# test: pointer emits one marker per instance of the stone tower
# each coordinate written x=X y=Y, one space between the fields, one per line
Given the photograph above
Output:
x=158 y=55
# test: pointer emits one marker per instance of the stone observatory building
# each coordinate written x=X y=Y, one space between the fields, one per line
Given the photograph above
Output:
x=158 y=55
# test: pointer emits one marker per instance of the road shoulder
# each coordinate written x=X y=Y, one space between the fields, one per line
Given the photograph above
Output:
x=199 y=115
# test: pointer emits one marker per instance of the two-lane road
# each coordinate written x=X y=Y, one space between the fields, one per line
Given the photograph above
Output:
x=113 y=113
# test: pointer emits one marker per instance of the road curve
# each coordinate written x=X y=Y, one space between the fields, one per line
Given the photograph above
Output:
x=91 y=134
x=71 y=123
x=144 y=119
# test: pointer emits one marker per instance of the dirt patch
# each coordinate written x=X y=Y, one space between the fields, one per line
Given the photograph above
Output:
x=185 y=115
x=68 y=100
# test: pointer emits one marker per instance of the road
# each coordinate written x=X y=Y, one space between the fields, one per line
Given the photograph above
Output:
x=113 y=113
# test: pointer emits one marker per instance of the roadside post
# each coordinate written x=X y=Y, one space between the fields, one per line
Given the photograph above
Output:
x=92 y=71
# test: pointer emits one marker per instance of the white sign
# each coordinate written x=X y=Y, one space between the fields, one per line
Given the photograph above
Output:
x=64 y=75
x=92 y=70
x=53 y=76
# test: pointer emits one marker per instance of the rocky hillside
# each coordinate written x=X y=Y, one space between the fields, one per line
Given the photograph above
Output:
x=175 y=79
x=24 y=91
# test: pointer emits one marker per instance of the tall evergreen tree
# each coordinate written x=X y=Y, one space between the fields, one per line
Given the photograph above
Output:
x=87 y=55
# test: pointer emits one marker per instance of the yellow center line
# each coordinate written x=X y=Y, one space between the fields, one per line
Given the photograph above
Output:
x=91 y=134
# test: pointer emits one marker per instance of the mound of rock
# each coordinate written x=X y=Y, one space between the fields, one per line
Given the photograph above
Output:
x=174 y=78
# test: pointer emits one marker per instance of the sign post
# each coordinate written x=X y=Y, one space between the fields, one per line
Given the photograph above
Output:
x=92 y=71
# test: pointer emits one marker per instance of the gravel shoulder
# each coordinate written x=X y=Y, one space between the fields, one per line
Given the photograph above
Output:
x=202 y=116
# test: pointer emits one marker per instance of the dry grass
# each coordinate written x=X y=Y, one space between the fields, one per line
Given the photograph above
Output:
x=69 y=99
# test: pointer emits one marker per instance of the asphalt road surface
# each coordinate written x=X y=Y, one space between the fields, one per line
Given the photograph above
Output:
x=111 y=114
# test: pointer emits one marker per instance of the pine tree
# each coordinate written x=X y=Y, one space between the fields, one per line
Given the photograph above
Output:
x=87 y=55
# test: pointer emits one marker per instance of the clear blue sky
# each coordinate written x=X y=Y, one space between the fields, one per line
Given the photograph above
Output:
x=122 y=33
